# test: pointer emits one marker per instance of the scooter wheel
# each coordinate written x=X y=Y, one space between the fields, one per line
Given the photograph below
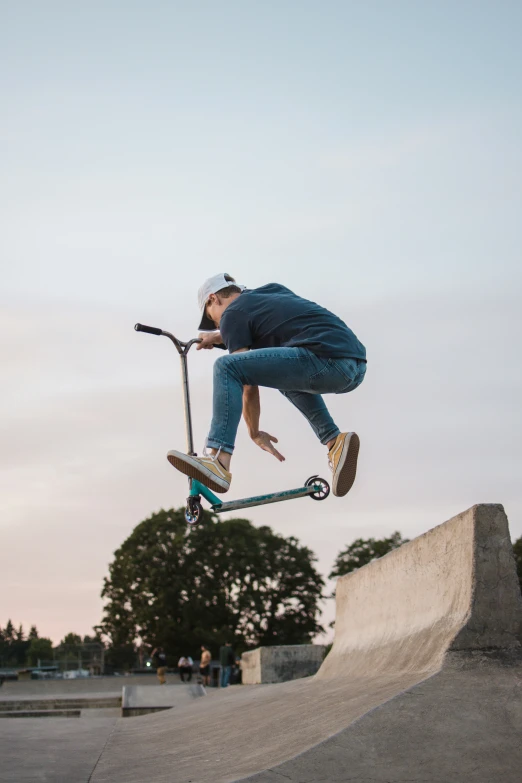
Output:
x=193 y=512
x=324 y=488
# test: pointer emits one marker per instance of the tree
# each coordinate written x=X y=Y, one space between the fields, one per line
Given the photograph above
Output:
x=13 y=646
x=517 y=551
x=179 y=587
x=96 y=639
x=19 y=647
x=72 y=640
x=9 y=632
x=40 y=649
x=362 y=552
x=4 y=647
x=70 y=647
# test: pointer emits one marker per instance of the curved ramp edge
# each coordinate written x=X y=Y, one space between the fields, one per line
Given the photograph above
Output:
x=453 y=588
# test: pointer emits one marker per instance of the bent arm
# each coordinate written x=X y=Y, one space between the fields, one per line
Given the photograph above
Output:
x=251 y=415
x=251 y=409
x=251 y=405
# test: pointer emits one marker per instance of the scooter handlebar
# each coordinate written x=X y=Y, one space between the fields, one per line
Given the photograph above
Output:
x=148 y=329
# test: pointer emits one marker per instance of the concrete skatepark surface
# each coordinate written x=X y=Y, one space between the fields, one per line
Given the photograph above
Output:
x=423 y=683
x=61 y=750
x=108 y=686
x=54 y=750
x=141 y=699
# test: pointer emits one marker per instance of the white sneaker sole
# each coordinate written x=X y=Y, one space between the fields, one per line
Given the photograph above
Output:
x=346 y=470
x=191 y=467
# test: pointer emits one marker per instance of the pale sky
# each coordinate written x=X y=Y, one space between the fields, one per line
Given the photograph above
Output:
x=366 y=155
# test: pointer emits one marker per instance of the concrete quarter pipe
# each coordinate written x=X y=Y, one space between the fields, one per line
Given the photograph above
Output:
x=423 y=683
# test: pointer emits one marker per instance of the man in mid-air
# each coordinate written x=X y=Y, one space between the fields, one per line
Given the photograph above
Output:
x=279 y=340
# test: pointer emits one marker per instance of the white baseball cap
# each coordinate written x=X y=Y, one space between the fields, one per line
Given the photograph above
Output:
x=212 y=286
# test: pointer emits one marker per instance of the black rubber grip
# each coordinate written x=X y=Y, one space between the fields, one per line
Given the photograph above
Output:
x=148 y=329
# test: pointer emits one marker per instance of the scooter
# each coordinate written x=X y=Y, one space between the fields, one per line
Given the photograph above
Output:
x=314 y=487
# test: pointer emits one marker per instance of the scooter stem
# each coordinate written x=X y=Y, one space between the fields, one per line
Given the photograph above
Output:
x=186 y=402
x=183 y=349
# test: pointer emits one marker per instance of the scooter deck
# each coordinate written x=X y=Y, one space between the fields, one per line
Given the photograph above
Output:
x=259 y=500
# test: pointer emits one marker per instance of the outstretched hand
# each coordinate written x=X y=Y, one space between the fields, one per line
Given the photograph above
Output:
x=264 y=441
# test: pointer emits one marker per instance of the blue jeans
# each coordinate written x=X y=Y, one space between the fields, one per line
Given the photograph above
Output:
x=225 y=675
x=301 y=376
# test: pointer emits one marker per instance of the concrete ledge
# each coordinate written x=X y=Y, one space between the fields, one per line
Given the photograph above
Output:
x=135 y=712
x=453 y=588
x=142 y=699
x=84 y=686
x=281 y=663
x=40 y=714
x=10 y=705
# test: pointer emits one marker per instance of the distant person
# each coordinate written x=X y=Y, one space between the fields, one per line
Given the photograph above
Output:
x=282 y=341
x=159 y=660
x=204 y=665
x=227 y=659
x=237 y=674
x=185 y=665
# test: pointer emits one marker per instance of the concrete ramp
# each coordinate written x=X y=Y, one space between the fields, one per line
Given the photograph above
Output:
x=423 y=683
x=144 y=699
x=453 y=588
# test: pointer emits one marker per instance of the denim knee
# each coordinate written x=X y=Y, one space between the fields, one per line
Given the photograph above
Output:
x=227 y=365
x=221 y=364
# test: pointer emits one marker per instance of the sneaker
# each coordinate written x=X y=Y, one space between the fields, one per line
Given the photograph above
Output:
x=342 y=459
x=208 y=470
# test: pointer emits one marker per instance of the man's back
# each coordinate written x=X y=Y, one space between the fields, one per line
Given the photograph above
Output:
x=159 y=659
x=224 y=655
x=273 y=316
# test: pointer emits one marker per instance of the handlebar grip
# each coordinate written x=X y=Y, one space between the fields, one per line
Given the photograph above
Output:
x=148 y=329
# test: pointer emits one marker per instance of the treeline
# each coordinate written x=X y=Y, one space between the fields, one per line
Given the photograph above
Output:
x=18 y=649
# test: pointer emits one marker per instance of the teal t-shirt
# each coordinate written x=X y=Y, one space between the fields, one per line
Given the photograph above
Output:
x=273 y=316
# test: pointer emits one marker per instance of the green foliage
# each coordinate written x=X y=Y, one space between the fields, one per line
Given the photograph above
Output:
x=17 y=650
x=13 y=646
x=71 y=642
x=9 y=632
x=69 y=647
x=362 y=552
x=40 y=649
x=93 y=639
x=121 y=657
x=517 y=551
x=181 y=587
